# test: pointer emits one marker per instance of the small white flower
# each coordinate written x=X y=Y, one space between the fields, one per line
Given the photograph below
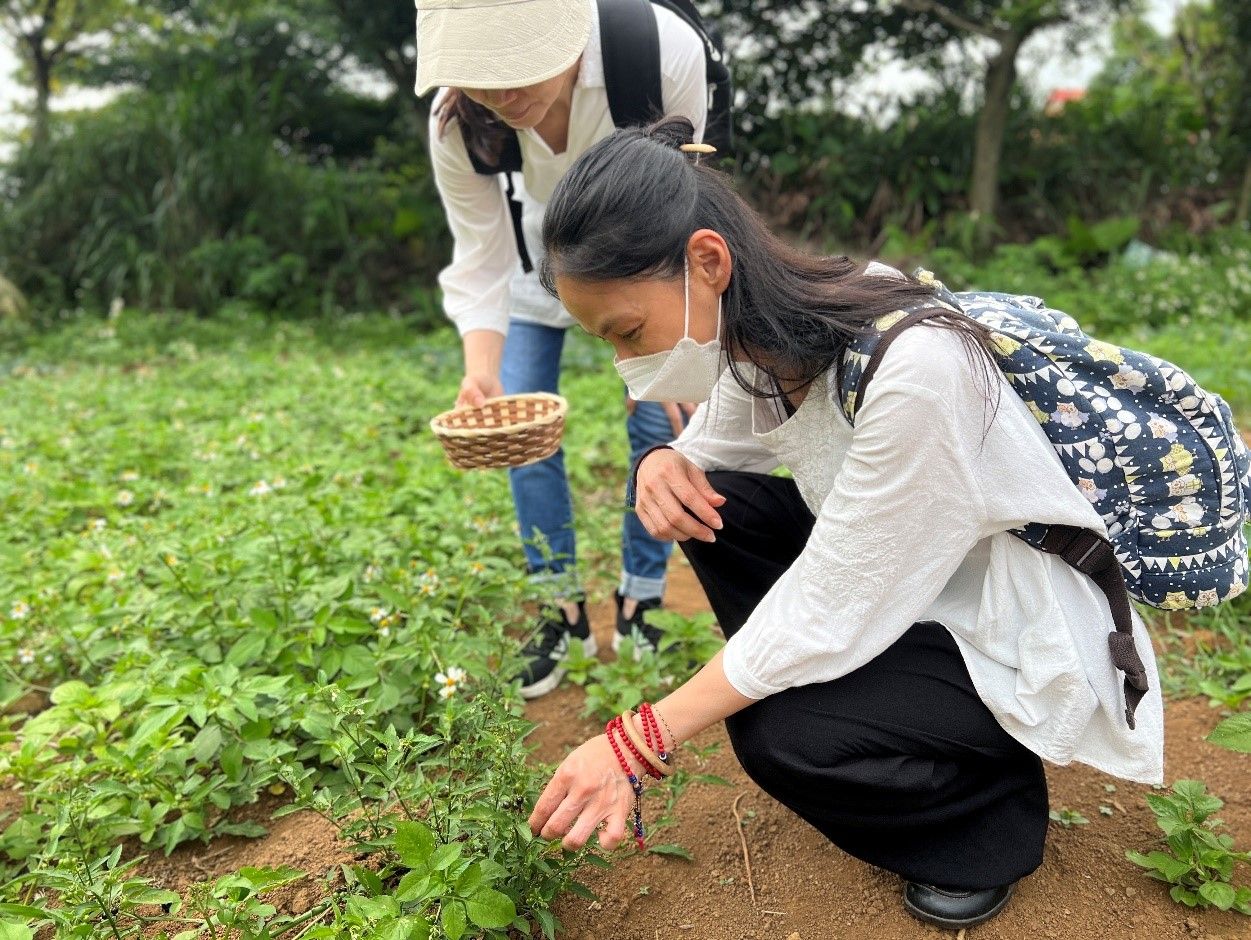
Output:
x=279 y=483
x=372 y=573
x=449 y=681
x=25 y=656
x=260 y=488
x=384 y=631
x=241 y=440
x=115 y=575
x=30 y=468
x=7 y=443
x=97 y=524
x=125 y=497
x=128 y=476
x=19 y=610
x=377 y=615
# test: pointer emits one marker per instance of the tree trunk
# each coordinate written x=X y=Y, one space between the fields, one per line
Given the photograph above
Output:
x=991 y=122
x=41 y=69
x=1243 y=212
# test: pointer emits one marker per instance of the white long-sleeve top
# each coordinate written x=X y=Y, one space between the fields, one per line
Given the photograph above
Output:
x=484 y=284
x=913 y=509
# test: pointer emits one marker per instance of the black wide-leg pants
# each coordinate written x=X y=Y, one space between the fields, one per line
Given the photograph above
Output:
x=898 y=763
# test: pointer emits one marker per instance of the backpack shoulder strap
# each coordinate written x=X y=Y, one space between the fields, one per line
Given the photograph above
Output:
x=630 y=45
x=1093 y=555
x=508 y=163
x=509 y=160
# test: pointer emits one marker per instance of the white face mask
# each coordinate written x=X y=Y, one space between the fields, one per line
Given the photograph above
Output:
x=687 y=372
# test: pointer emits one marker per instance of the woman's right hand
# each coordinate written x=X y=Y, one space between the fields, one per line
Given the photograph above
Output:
x=667 y=486
x=476 y=388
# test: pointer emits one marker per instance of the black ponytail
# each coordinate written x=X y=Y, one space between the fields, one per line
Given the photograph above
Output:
x=626 y=210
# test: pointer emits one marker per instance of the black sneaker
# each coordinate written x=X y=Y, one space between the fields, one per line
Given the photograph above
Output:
x=952 y=908
x=646 y=637
x=548 y=648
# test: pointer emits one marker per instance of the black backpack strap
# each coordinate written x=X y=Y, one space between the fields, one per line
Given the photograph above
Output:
x=630 y=45
x=508 y=163
x=1092 y=555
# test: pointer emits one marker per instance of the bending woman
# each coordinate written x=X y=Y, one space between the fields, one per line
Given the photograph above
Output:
x=898 y=665
x=550 y=91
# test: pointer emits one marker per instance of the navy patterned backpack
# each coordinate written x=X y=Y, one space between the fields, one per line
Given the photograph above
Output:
x=1157 y=456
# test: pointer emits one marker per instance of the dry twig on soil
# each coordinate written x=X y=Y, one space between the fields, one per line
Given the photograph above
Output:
x=738 y=820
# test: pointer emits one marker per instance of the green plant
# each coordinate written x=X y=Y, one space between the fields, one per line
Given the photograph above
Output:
x=1068 y=818
x=1199 y=863
x=686 y=644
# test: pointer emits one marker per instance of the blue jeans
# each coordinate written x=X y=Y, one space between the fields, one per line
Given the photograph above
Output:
x=541 y=491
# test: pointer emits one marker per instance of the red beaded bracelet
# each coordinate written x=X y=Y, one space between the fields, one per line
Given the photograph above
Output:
x=649 y=722
x=611 y=729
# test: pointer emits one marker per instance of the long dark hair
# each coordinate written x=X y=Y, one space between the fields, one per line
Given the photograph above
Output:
x=484 y=132
x=627 y=208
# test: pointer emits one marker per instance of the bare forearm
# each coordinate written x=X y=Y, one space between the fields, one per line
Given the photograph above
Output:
x=701 y=702
x=484 y=350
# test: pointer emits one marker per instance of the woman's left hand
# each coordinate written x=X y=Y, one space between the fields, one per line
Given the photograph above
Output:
x=589 y=787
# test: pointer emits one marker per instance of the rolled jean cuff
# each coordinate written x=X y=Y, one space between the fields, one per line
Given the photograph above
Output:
x=640 y=588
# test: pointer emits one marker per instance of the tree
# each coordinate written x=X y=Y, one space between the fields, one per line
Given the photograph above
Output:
x=1235 y=19
x=789 y=53
x=47 y=35
x=1007 y=24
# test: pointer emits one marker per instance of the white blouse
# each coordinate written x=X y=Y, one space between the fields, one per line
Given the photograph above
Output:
x=484 y=284
x=913 y=509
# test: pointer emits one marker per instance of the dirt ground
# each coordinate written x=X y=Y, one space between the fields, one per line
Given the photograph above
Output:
x=805 y=888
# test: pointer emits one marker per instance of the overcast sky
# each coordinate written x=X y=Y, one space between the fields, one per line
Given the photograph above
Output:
x=1044 y=66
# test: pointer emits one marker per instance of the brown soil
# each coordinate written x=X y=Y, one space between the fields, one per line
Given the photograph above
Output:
x=806 y=888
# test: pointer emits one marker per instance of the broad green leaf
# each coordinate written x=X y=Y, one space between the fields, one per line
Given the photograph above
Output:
x=11 y=930
x=414 y=843
x=672 y=849
x=452 y=917
x=491 y=908
x=1218 y=894
x=247 y=649
x=1234 y=733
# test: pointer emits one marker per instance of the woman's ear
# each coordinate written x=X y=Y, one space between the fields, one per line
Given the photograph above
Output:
x=710 y=259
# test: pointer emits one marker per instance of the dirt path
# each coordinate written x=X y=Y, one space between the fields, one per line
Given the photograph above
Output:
x=807 y=889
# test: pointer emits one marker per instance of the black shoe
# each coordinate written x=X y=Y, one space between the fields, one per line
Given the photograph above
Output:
x=549 y=647
x=646 y=637
x=954 y=909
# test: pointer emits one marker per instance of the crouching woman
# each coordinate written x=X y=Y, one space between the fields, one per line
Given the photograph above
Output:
x=898 y=665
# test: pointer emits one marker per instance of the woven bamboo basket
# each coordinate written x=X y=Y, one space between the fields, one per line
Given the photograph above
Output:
x=509 y=431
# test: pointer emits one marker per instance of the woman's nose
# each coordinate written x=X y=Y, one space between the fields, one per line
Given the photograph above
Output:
x=498 y=98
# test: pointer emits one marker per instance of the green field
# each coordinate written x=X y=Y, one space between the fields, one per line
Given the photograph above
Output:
x=235 y=565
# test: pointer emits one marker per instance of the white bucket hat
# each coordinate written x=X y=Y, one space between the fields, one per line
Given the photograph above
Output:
x=498 y=43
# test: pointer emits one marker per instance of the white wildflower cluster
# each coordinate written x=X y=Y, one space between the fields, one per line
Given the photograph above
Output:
x=428 y=582
x=448 y=682
x=384 y=619
x=124 y=498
